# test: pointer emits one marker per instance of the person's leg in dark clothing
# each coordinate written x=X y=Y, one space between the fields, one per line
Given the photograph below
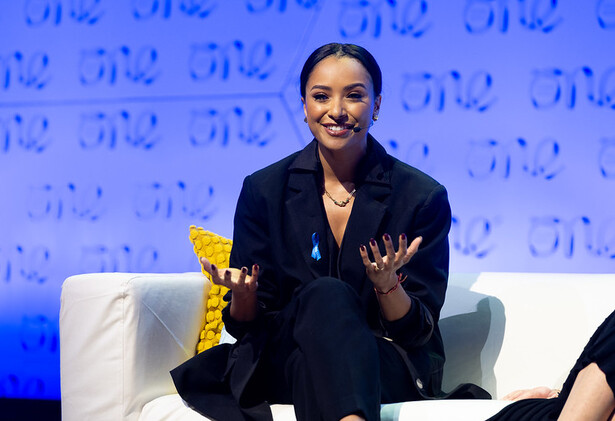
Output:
x=326 y=361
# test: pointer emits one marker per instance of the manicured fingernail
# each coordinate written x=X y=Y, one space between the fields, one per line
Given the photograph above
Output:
x=244 y=270
x=403 y=236
x=362 y=247
x=213 y=267
x=372 y=241
x=386 y=237
x=256 y=267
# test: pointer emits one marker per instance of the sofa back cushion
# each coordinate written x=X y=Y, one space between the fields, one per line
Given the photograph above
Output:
x=508 y=331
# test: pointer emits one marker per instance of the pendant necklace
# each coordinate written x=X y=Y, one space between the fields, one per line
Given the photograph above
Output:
x=344 y=202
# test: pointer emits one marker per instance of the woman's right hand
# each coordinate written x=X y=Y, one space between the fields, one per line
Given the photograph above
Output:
x=243 y=304
x=237 y=280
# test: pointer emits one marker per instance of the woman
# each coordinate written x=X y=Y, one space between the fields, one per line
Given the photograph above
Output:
x=340 y=311
x=587 y=394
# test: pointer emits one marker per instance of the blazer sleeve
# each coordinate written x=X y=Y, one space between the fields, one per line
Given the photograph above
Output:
x=251 y=245
x=427 y=273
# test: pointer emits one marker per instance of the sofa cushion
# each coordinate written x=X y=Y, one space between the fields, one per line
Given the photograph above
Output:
x=173 y=408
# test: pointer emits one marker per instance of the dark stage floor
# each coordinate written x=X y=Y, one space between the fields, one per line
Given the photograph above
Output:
x=29 y=410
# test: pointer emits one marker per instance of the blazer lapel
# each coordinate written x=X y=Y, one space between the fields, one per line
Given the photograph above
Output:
x=365 y=221
x=305 y=213
x=368 y=216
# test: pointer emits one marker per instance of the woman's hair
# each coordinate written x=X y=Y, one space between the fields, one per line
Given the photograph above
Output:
x=342 y=50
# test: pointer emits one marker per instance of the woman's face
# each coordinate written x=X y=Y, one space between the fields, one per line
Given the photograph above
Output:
x=339 y=96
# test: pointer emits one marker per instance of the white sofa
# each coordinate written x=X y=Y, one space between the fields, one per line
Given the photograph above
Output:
x=120 y=334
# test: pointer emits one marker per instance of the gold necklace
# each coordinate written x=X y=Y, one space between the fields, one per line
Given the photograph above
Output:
x=343 y=202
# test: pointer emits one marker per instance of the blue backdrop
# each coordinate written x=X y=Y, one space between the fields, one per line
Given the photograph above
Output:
x=123 y=122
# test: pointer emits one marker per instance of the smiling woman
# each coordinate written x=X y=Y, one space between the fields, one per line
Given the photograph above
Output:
x=340 y=98
x=333 y=107
x=348 y=255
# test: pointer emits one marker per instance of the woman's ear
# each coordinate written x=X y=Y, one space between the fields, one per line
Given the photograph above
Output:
x=377 y=102
x=304 y=109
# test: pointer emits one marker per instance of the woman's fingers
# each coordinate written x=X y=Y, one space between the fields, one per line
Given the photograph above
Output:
x=393 y=260
x=206 y=265
x=241 y=280
x=388 y=246
x=365 y=258
x=369 y=265
x=540 y=392
x=252 y=282
x=215 y=276
x=212 y=270
x=403 y=245
x=228 y=279
x=245 y=282
x=513 y=395
x=412 y=249
x=377 y=256
x=234 y=279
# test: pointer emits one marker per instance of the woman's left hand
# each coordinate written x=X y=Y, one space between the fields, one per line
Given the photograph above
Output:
x=382 y=271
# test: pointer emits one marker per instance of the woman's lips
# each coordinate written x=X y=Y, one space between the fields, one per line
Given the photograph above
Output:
x=338 y=130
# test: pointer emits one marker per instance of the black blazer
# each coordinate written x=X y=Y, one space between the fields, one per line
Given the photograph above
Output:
x=280 y=208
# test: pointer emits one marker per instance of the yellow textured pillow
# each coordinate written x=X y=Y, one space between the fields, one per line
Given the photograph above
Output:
x=217 y=250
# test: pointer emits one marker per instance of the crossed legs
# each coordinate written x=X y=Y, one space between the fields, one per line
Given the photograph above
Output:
x=329 y=361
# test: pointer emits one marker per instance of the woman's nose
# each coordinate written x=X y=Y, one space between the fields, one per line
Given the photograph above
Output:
x=337 y=109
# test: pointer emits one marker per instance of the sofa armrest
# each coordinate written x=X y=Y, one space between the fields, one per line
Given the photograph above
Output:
x=120 y=335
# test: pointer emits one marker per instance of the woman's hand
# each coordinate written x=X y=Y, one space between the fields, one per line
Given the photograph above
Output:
x=382 y=271
x=541 y=392
x=243 y=304
x=237 y=280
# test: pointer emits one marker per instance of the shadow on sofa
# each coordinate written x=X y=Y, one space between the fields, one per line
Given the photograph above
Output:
x=472 y=340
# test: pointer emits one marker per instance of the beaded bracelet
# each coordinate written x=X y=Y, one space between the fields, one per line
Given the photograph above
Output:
x=400 y=280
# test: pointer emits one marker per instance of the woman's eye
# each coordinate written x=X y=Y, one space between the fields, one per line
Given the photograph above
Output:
x=320 y=97
x=355 y=95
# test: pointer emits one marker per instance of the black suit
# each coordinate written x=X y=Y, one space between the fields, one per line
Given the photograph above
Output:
x=279 y=210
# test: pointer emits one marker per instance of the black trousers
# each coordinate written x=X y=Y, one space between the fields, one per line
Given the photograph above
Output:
x=322 y=357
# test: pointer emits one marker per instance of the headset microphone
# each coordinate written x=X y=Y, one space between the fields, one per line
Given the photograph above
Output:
x=357 y=129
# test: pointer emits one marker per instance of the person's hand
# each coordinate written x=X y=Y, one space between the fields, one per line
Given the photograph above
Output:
x=382 y=271
x=541 y=392
x=237 y=280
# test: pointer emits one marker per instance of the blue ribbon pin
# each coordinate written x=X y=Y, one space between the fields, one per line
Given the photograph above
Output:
x=315 y=251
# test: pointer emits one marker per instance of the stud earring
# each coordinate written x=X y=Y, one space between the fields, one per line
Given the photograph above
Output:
x=305 y=119
x=375 y=117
